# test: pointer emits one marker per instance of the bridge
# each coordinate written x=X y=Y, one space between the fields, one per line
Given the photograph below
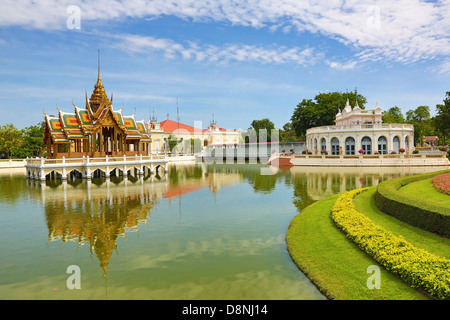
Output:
x=250 y=151
x=85 y=167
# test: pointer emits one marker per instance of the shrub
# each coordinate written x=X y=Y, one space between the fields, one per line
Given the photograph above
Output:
x=361 y=151
x=416 y=266
x=415 y=151
x=416 y=212
x=401 y=150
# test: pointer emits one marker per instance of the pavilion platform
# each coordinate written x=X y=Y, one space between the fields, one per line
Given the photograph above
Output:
x=86 y=167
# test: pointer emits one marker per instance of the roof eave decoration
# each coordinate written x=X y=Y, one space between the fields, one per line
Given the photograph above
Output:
x=88 y=106
x=55 y=130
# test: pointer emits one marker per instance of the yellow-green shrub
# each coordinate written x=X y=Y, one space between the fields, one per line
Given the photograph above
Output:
x=416 y=266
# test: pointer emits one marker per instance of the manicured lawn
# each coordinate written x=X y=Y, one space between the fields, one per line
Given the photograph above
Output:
x=365 y=204
x=333 y=263
x=424 y=191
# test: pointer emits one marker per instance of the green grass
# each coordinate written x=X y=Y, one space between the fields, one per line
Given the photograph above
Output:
x=424 y=191
x=333 y=263
x=433 y=243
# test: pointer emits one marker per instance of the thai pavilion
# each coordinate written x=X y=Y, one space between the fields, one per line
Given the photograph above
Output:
x=96 y=131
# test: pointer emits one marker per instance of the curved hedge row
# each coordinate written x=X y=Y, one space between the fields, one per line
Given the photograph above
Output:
x=418 y=213
x=416 y=266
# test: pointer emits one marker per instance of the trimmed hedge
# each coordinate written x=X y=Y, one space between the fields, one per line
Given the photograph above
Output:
x=416 y=212
x=416 y=266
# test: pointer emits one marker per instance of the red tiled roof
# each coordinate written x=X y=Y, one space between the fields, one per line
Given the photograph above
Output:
x=172 y=126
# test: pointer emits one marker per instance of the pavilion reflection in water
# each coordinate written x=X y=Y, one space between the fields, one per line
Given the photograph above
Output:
x=98 y=212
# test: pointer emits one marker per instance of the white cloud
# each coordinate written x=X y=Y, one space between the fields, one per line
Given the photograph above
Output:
x=341 y=66
x=217 y=54
x=404 y=31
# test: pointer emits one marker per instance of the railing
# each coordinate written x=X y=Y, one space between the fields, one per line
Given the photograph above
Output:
x=372 y=156
x=88 y=160
x=12 y=163
x=361 y=126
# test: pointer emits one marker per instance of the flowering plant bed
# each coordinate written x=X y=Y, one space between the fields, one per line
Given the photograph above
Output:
x=442 y=183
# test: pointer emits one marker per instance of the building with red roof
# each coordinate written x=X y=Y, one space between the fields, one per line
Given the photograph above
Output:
x=164 y=131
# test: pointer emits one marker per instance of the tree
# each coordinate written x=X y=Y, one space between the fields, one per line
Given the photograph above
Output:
x=173 y=142
x=263 y=124
x=442 y=120
x=393 y=115
x=421 y=113
x=421 y=119
x=33 y=144
x=288 y=133
x=322 y=111
x=11 y=139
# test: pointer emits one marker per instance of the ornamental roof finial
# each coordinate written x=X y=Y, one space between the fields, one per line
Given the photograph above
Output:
x=98 y=64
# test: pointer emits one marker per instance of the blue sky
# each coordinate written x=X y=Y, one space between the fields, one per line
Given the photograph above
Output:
x=238 y=60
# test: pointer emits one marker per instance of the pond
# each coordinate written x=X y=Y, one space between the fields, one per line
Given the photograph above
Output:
x=202 y=231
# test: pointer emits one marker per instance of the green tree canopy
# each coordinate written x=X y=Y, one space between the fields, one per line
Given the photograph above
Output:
x=11 y=139
x=442 y=119
x=288 y=133
x=33 y=144
x=263 y=124
x=421 y=119
x=322 y=110
x=393 y=115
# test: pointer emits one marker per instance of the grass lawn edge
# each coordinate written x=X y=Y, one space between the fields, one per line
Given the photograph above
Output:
x=335 y=265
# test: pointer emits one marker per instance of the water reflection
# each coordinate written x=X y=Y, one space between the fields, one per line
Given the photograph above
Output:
x=98 y=212
x=225 y=247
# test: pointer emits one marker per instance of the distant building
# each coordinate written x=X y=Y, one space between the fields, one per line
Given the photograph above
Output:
x=430 y=141
x=360 y=129
x=162 y=131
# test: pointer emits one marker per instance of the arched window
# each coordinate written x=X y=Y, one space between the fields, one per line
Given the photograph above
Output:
x=382 y=145
x=406 y=143
x=366 y=145
x=335 y=146
x=396 y=144
x=323 y=144
x=350 y=146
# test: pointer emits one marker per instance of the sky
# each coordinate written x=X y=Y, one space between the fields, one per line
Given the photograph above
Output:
x=233 y=61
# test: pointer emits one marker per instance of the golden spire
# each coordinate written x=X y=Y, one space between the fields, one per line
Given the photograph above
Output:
x=98 y=95
x=98 y=78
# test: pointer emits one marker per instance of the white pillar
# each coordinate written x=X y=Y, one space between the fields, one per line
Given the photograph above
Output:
x=64 y=175
x=107 y=168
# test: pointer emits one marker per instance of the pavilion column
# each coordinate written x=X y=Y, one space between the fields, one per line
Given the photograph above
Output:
x=114 y=139
x=100 y=139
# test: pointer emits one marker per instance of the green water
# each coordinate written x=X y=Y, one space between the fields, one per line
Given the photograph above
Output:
x=200 y=232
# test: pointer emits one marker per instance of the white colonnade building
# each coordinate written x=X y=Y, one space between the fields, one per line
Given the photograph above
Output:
x=360 y=129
